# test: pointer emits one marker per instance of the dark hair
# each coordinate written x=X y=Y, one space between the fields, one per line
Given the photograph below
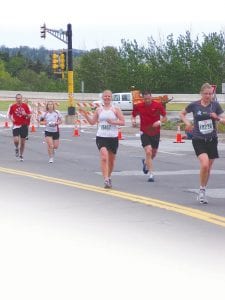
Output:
x=146 y=92
x=50 y=102
x=18 y=95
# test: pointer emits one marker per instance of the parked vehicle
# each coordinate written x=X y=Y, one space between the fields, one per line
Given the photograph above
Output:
x=122 y=100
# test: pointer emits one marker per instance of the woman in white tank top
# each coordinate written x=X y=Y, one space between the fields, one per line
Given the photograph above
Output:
x=108 y=118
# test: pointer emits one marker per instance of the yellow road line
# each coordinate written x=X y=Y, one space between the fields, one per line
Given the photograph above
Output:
x=185 y=210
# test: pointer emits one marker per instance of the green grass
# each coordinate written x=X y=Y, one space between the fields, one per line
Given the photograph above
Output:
x=4 y=105
x=175 y=106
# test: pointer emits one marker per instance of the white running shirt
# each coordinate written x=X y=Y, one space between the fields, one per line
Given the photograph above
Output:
x=104 y=128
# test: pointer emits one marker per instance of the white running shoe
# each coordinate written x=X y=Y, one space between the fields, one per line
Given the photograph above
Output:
x=151 y=178
x=107 y=184
x=202 y=196
x=51 y=160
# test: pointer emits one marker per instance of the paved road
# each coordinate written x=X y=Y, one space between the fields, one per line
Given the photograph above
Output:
x=64 y=237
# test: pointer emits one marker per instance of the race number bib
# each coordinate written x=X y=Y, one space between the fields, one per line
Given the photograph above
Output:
x=105 y=127
x=205 y=126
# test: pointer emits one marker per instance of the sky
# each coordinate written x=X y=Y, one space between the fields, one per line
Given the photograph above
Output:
x=96 y=24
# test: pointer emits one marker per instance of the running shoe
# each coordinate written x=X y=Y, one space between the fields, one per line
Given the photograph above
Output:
x=202 y=196
x=151 y=178
x=21 y=158
x=51 y=160
x=110 y=182
x=107 y=184
x=17 y=152
x=145 y=170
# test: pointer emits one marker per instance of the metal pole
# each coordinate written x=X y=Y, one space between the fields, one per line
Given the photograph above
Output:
x=71 y=101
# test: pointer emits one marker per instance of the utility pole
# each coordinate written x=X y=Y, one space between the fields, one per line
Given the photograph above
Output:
x=71 y=106
x=66 y=37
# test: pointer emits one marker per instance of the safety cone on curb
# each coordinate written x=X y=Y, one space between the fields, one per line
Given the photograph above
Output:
x=6 y=124
x=76 y=131
x=33 y=129
x=120 y=134
x=178 y=136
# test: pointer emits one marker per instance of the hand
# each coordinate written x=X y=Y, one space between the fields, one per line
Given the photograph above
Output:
x=214 y=116
x=110 y=121
x=188 y=127
x=51 y=124
x=156 y=124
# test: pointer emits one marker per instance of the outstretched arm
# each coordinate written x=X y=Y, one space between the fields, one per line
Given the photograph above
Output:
x=91 y=120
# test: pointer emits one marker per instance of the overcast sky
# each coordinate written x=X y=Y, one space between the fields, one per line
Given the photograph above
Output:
x=99 y=23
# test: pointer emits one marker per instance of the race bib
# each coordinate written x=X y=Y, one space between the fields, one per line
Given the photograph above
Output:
x=205 y=126
x=105 y=127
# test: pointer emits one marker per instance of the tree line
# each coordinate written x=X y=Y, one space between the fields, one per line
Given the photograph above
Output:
x=171 y=66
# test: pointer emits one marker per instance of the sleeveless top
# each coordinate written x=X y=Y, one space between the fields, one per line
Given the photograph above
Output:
x=104 y=128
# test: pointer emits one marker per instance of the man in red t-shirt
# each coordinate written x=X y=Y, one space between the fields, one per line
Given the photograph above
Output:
x=152 y=114
x=19 y=113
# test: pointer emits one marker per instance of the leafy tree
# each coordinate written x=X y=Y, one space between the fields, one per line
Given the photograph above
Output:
x=16 y=64
x=170 y=66
x=100 y=69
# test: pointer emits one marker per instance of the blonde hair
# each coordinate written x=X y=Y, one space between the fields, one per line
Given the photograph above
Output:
x=107 y=91
x=205 y=86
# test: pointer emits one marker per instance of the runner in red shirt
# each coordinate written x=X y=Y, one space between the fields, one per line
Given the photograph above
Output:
x=19 y=113
x=150 y=113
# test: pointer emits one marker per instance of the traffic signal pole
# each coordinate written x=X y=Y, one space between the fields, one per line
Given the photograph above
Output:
x=66 y=37
x=71 y=102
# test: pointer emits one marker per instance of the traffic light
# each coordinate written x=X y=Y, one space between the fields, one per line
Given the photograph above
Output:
x=62 y=63
x=55 y=61
x=43 y=31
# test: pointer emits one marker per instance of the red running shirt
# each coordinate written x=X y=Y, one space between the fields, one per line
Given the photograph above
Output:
x=15 y=112
x=149 y=113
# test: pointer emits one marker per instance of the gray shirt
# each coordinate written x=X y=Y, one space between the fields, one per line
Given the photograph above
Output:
x=51 y=118
x=204 y=125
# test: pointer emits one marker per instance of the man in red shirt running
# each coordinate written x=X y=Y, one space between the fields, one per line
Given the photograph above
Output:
x=152 y=114
x=19 y=113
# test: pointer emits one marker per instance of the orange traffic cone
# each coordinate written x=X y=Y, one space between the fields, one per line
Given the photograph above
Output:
x=178 y=136
x=76 y=131
x=6 y=124
x=120 y=134
x=33 y=129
